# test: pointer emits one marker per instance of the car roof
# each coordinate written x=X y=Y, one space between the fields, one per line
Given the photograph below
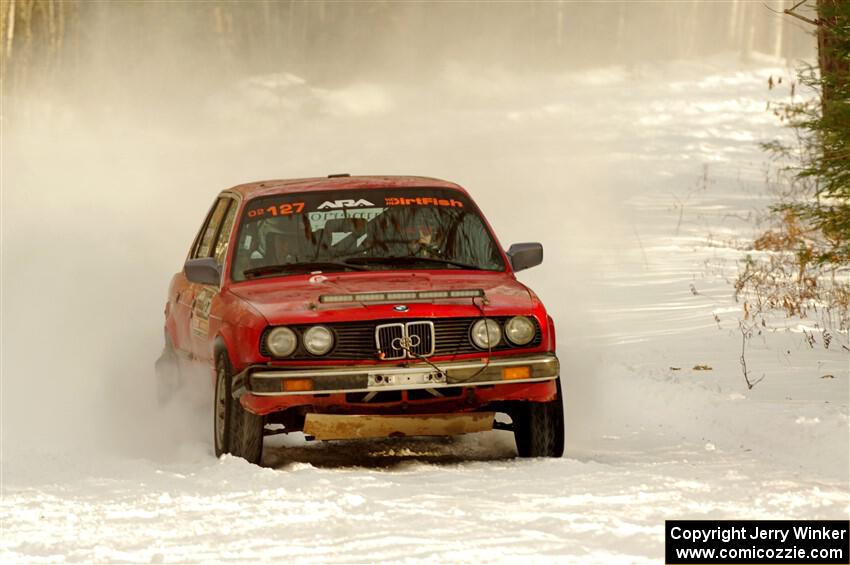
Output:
x=334 y=182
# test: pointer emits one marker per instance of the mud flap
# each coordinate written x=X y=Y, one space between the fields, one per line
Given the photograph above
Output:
x=333 y=426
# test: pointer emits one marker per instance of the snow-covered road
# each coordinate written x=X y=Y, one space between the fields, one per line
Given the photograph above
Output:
x=636 y=180
x=416 y=501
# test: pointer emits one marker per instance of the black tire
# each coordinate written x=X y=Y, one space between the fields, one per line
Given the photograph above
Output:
x=251 y=436
x=235 y=430
x=539 y=427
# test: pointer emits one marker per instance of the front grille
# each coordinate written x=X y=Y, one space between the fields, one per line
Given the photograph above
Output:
x=414 y=395
x=364 y=340
x=373 y=397
x=421 y=335
x=408 y=340
x=390 y=341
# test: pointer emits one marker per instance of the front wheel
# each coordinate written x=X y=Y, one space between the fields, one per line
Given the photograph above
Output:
x=539 y=427
x=235 y=430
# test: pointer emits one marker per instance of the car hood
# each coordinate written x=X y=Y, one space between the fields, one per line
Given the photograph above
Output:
x=295 y=299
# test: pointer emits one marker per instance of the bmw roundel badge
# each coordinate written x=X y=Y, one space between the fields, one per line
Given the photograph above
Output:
x=400 y=308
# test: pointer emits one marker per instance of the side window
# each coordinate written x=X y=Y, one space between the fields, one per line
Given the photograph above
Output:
x=206 y=242
x=224 y=233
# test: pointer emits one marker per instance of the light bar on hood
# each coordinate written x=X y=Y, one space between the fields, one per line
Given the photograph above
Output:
x=407 y=295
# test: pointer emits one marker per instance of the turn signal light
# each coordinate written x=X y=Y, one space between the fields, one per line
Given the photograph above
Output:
x=297 y=385
x=515 y=373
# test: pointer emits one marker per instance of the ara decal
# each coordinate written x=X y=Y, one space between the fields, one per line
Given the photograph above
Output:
x=345 y=203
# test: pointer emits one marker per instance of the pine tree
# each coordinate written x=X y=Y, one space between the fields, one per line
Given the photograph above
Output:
x=823 y=128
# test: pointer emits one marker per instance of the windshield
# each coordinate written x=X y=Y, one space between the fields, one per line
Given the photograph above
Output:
x=362 y=229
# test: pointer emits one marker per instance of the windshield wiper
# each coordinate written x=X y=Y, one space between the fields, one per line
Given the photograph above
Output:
x=411 y=259
x=300 y=266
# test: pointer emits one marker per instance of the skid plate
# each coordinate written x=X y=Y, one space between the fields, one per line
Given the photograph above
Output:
x=334 y=426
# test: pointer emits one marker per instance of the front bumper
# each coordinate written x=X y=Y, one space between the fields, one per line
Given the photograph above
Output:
x=267 y=381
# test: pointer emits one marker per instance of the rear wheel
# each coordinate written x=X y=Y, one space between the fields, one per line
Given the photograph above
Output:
x=235 y=430
x=539 y=427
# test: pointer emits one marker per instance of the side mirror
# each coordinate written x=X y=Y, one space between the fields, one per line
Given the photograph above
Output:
x=525 y=255
x=203 y=271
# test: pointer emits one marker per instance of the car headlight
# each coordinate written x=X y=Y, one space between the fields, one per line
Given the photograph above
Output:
x=281 y=341
x=318 y=340
x=519 y=330
x=486 y=333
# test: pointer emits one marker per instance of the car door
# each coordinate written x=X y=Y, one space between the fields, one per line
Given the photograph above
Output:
x=214 y=243
x=183 y=291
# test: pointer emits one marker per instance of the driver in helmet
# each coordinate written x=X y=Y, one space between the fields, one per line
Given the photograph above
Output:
x=276 y=242
x=425 y=237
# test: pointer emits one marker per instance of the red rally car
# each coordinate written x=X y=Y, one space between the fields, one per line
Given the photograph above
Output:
x=352 y=307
